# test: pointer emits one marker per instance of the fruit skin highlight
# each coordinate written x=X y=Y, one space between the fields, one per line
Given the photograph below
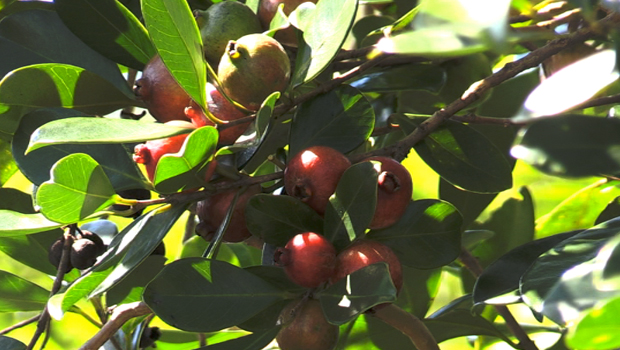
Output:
x=313 y=174
x=305 y=327
x=364 y=252
x=222 y=22
x=394 y=189
x=212 y=211
x=253 y=67
x=309 y=259
x=161 y=93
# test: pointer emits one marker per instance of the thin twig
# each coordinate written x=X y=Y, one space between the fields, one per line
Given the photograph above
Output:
x=20 y=324
x=601 y=101
x=473 y=265
x=409 y=325
x=121 y=314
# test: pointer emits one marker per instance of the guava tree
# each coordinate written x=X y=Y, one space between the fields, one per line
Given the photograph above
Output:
x=380 y=174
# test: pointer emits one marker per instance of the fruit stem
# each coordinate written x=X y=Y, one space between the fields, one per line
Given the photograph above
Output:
x=409 y=325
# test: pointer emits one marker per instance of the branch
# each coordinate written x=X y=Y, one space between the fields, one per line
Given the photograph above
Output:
x=409 y=325
x=601 y=101
x=20 y=324
x=121 y=314
x=400 y=149
x=473 y=265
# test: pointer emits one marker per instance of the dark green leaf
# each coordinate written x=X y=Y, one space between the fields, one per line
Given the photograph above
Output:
x=176 y=37
x=419 y=290
x=267 y=318
x=342 y=119
x=571 y=145
x=78 y=187
x=18 y=294
x=369 y=24
x=504 y=274
x=31 y=250
x=109 y=28
x=113 y=158
x=611 y=211
x=546 y=273
x=186 y=169
x=7 y=343
x=413 y=76
x=257 y=340
x=101 y=130
x=276 y=219
x=427 y=236
x=188 y=290
x=58 y=85
x=462 y=156
x=276 y=277
x=358 y=292
x=130 y=288
x=469 y=204
x=325 y=29
x=263 y=116
x=507 y=98
x=352 y=206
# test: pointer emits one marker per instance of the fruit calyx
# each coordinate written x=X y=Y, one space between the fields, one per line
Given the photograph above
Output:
x=388 y=182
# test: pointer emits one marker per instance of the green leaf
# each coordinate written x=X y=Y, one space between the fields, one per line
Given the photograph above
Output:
x=130 y=288
x=580 y=210
x=548 y=273
x=504 y=274
x=571 y=86
x=462 y=156
x=8 y=167
x=109 y=28
x=420 y=288
x=58 y=85
x=427 y=236
x=469 y=204
x=18 y=294
x=90 y=130
x=559 y=146
x=7 y=343
x=352 y=206
x=358 y=292
x=200 y=295
x=115 y=159
x=257 y=340
x=598 y=329
x=136 y=242
x=263 y=116
x=342 y=119
x=413 y=76
x=17 y=224
x=276 y=219
x=176 y=37
x=186 y=169
x=78 y=187
x=325 y=29
x=32 y=250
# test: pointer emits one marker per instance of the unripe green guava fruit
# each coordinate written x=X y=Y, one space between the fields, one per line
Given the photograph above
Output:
x=222 y=22
x=252 y=68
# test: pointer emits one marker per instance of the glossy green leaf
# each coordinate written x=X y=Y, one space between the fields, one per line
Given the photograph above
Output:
x=580 y=210
x=462 y=156
x=352 y=206
x=18 y=294
x=598 y=329
x=276 y=219
x=130 y=288
x=110 y=28
x=549 y=272
x=187 y=290
x=559 y=146
x=136 y=242
x=325 y=29
x=263 y=116
x=101 y=130
x=365 y=27
x=342 y=119
x=78 y=187
x=185 y=169
x=7 y=343
x=40 y=36
x=356 y=293
x=13 y=223
x=115 y=159
x=176 y=37
x=257 y=340
x=413 y=76
x=32 y=250
x=571 y=86
x=504 y=274
x=58 y=85
x=427 y=236
x=8 y=167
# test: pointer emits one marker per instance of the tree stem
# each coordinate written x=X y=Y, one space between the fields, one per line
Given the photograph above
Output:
x=121 y=314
